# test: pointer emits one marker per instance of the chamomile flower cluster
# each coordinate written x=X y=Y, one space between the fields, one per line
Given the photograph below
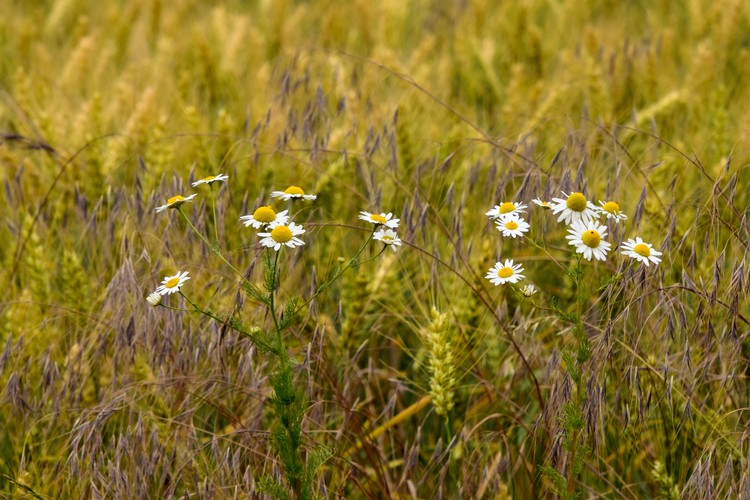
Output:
x=587 y=232
x=178 y=200
x=278 y=231
x=508 y=219
x=385 y=228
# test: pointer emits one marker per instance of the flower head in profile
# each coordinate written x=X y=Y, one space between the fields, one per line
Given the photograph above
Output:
x=282 y=234
x=175 y=201
x=641 y=251
x=587 y=238
x=528 y=290
x=292 y=193
x=505 y=272
x=505 y=209
x=386 y=220
x=512 y=225
x=263 y=216
x=154 y=298
x=573 y=208
x=211 y=179
x=544 y=204
x=388 y=237
x=172 y=284
x=611 y=210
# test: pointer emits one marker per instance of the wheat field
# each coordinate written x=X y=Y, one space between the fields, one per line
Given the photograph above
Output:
x=365 y=363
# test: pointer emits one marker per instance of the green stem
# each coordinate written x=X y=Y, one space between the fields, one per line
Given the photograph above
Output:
x=579 y=377
x=213 y=209
x=214 y=248
x=272 y=307
x=341 y=271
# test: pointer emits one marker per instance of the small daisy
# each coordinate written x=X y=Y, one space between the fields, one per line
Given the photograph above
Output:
x=641 y=251
x=384 y=219
x=292 y=192
x=154 y=298
x=612 y=210
x=504 y=209
x=263 y=216
x=528 y=290
x=175 y=201
x=512 y=225
x=387 y=237
x=587 y=238
x=172 y=284
x=282 y=234
x=211 y=179
x=574 y=208
x=544 y=204
x=505 y=272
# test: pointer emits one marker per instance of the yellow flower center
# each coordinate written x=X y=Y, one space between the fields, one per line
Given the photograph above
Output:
x=209 y=178
x=507 y=207
x=175 y=199
x=591 y=238
x=264 y=214
x=511 y=225
x=378 y=218
x=387 y=239
x=611 y=207
x=505 y=272
x=281 y=234
x=576 y=202
x=294 y=190
x=172 y=283
x=642 y=249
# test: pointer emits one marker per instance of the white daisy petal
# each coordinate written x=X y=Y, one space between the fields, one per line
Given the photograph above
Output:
x=586 y=237
x=282 y=234
x=384 y=219
x=211 y=179
x=611 y=210
x=544 y=204
x=176 y=201
x=505 y=272
x=387 y=237
x=573 y=208
x=505 y=209
x=172 y=284
x=512 y=225
x=291 y=193
x=263 y=216
x=641 y=251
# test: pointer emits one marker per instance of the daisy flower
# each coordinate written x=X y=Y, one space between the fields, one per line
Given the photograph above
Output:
x=528 y=290
x=292 y=192
x=211 y=179
x=384 y=219
x=263 y=216
x=388 y=237
x=172 y=284
x=506 y=272
x=505 y=209
x=544 y=204
x=574 y=208
x=154 y=298
x=587 y=238
x=282 y=235
x=512 y=225
x=175 y=201
x=612 y=210
x=641 y=251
